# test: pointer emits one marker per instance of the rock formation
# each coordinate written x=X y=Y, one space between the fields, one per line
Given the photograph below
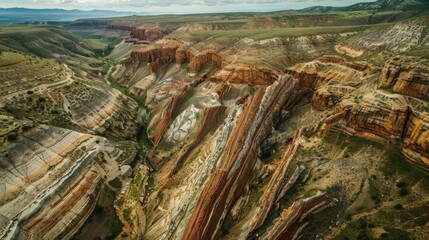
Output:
x=150 y=32
x=49 y=166
x=238 y=159
x=245 y=74
x=405 y=80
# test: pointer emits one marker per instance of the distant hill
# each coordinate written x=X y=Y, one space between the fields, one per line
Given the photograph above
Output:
x=377 y=6
x=25 y=15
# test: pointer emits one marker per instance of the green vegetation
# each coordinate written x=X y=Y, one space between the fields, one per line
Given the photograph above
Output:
x=259 y=34
x=391 y=200
x=10 y=58
x=51 y=42
x=172 y=18
x=125 y=91
x=101 y=36
x=103 y=223
x=116 y=183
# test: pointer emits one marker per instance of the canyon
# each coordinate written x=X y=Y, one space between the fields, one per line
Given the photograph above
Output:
x=282 y=125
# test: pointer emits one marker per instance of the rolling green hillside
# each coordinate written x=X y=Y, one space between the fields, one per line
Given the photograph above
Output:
x=377 y=6
x=50 y=42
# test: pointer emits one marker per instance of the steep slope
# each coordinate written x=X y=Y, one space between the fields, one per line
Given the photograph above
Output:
x=51 y=42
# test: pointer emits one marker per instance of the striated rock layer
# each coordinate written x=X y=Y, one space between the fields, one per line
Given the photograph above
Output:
x=415 y=142
x=386 y=116
x=53 y=173
x=238 y=159
x=276 y=188
x=406 y=80
x=149 y=31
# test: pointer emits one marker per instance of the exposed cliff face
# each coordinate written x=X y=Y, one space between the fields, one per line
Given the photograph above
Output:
x=101 y=109
x=153 y=52
x=203 y=58
x=385 y=116
x=120 y=27
x=171 y=50
x=50 y=187
x=327 y=97
x=287 y=226
x=399 y=37
x=159 y=62
x=330 y=68
x=406 y=80
x=159 y=123
x=276 y=188
x=210 y=120
x=415 y=142
x=149 y=32
x=246 y=74
x=377 y=115
x=238 y=159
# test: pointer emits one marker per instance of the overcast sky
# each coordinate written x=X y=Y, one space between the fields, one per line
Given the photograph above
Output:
x=176 y=6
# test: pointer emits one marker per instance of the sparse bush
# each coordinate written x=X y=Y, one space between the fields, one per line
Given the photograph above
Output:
x=12 y=136
x=403 y=192
x=348 y=217
x=98 y=209
x=398 y=206
x=401 y=184
x=115 y=183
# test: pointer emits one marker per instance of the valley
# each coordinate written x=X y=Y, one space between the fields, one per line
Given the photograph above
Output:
x=300 y=124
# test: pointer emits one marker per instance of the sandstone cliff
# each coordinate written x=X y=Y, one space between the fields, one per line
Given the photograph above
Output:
x=149 y=31
x=405 y=80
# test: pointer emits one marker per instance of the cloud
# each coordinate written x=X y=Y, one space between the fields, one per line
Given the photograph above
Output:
x=177 y=6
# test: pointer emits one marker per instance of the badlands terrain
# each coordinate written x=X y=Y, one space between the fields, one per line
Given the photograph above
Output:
x=306 y=124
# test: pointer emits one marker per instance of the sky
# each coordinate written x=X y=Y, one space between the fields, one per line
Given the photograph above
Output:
x=177 y=6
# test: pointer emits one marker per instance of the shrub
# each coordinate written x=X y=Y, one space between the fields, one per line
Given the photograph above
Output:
x=401 y=184
x=403 y=192
x=398 y=206
x=98 y=209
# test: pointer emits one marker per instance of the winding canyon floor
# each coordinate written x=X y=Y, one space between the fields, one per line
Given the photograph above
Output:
x=302 y=124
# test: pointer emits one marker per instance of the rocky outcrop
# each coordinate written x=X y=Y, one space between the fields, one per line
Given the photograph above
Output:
x=203 y=58
x=415 y=142
x=386 y=116
x=159 y=123
x=193 y=27
x=184 y=55
x=171 y=50
x=399 y=37
x=210 y=119
x=241 y=73
x=159 y=62
x=149 y=32
x=151 y=53
x=327 y=69
x=288 y=224
x=46 y=168
x=120 y=27
x=406 y=80
x=276 y=188
x=377 y=115
x=101 y=109
x=68 y=211
x=238 y=159
x=326 y=97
